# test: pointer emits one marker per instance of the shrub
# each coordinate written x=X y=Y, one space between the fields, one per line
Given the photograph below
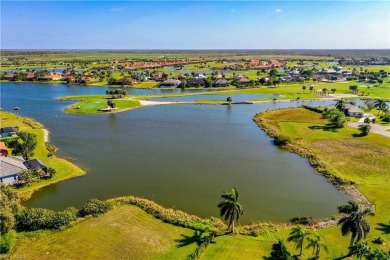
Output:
x=7 y=220
x=364 y=129
x=282 y=140
x=31 y=122
x=303 y=221
x=7 y=241
x=314 y=109
x=38 y=218
x=94 y=207
x=386 y=117
x=172 y=216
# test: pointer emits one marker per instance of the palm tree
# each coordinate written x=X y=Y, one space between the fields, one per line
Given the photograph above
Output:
x=360 y=249
x=348 y=208
x=229 y=100
x=298 y=235
x=316 y=243
x=230 y=208
x=17 y=109
x=354 y=221
x=311 y=88
x=303 y=89
x=381 y=105
x=340 y=105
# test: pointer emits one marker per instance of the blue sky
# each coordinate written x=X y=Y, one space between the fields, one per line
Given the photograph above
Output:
x=195 y=24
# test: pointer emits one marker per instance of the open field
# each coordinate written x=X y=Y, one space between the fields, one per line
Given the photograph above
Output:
x=64 y=169
x=124 y=232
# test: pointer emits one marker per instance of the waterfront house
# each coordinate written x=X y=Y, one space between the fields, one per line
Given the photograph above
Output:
x=243 y=81
x=196 y=83
x=30 y=77
x=8 y=76
x=170 y=83
x=221 y=83
x=35 y=165
x=10 y=169
x=8 y=131
x=354 y=111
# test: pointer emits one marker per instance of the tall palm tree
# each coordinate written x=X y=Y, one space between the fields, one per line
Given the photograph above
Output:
x=316 y=243
x=298 y=235
x=354 y=221
x=230 y=208
x=381 y=105
x=17 y=109
x=340 y=105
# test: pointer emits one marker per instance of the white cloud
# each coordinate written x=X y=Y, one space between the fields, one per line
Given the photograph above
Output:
x=278 y=10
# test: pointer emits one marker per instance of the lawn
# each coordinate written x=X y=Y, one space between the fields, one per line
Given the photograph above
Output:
x=90 y=104
x=126 y=232
x=64 y=169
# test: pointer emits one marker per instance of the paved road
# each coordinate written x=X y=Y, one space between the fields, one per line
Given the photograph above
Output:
x=378 y=129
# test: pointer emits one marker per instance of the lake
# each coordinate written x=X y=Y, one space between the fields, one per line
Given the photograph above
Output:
x=180 y=156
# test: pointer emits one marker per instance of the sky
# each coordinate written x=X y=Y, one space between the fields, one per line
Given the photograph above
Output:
x=195 y=24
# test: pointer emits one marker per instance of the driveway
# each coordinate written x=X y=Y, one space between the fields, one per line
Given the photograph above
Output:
x=378 y=129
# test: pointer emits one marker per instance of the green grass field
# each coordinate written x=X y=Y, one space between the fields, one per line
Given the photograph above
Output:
x=90 y=104
x=126 y=232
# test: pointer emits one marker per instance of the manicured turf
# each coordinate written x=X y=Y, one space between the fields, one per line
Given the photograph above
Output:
x=126 y=232
x=92 y=104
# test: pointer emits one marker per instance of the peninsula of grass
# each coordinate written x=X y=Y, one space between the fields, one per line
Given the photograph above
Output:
x=92 y=104
x=64 y=169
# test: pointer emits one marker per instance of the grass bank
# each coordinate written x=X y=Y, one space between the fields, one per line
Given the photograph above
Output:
x=64 y=169
x=91 y=104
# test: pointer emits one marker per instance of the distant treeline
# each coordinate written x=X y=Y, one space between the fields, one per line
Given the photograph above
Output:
x=303 y=52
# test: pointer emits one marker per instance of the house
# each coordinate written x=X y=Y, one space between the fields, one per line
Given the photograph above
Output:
x=243 y=81
x=35 y=165
x=9 y=76
x=8 y=131
x=170 y=83
x=10 y=168
x=196 y=83
x=3 y=149
x=354 y=111
x=30 y=77
x=157 y=77
x=221 y=83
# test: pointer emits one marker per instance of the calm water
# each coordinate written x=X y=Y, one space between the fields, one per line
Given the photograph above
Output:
x=181 y=156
